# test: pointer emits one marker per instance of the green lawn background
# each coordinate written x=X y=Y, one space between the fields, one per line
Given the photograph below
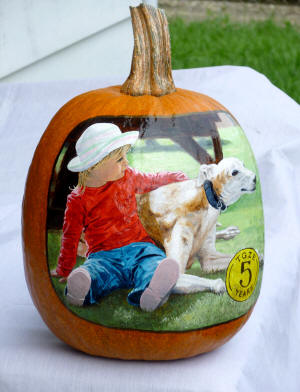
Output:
x=266 y=46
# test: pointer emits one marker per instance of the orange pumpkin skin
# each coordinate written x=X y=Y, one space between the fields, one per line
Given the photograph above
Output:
x=83 y=335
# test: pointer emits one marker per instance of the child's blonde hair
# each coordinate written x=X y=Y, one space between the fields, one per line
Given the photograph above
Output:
x=82 y=176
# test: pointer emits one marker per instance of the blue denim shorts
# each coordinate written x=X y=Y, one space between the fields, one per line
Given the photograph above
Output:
x=131 y=266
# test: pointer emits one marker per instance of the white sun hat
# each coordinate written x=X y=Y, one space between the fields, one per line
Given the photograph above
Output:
x=96 y=142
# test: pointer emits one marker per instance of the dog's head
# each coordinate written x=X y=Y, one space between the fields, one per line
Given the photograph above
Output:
x=234 y=178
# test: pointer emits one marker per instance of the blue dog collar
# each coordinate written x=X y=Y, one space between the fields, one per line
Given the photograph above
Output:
x=214 y=200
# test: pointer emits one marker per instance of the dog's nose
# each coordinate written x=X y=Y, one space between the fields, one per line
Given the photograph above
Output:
x=254 y=180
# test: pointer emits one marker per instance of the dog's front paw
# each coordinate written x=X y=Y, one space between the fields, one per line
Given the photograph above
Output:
x=219 y=286
x=228 y=233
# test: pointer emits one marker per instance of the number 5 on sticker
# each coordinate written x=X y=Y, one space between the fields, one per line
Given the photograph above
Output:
x=242 y=274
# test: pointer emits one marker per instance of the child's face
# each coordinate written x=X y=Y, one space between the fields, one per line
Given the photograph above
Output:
x=111 y=170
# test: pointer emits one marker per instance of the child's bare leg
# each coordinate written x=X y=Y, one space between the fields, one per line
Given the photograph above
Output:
x=78 y=285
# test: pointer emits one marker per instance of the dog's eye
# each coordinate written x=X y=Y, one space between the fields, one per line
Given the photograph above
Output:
x=235 y=172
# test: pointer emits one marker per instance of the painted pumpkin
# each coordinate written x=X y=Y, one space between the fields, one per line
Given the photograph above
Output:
x=179 y=130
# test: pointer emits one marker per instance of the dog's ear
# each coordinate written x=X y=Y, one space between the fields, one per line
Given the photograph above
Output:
x=206 y=172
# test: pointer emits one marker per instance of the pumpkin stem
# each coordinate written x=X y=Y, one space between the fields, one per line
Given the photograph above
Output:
x=151 y=70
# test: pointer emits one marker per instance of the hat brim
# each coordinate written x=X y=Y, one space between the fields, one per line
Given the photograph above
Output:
x=75 y=164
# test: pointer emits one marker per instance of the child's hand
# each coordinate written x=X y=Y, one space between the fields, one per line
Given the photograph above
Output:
x=55 y=275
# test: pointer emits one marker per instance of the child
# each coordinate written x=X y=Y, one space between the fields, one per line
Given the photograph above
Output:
x=103 y=205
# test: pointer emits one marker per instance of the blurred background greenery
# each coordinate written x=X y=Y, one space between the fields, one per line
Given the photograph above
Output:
x=263 y=35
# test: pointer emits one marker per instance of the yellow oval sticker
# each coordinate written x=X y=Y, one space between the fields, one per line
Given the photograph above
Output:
x=242 y=274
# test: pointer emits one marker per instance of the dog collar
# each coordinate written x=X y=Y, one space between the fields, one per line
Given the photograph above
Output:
x=214 y=200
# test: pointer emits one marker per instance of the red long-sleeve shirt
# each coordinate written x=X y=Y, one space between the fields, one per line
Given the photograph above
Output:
x=108 y=215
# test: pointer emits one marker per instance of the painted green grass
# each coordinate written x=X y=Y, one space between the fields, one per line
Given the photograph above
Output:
x=265 y=46
x=182 y=312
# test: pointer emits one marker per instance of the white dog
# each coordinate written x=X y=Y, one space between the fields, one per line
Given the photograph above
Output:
x=181 y=217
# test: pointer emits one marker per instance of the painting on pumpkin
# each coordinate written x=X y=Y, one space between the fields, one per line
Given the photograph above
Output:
x=145 y=215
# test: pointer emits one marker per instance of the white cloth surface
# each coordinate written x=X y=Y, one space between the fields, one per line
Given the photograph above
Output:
x=263 y=356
